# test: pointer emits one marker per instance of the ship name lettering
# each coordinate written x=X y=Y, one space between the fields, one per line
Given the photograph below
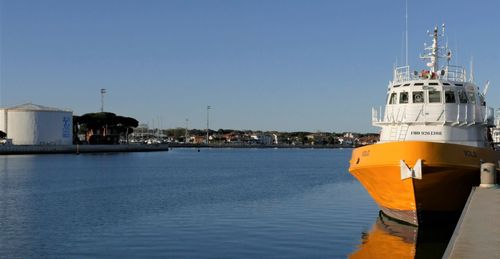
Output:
x=427 y=133
x=366 y=153
x=469 y=153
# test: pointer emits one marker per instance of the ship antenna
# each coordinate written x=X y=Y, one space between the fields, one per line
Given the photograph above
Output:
x=435 y=52
x=471 y=77
x=402 y=45
x=406 y=32
x=433 y=64
x=448 y=52
x=485 y=90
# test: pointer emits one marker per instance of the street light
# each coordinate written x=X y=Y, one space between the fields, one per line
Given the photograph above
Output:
x=103 y=91
x=186 y=135
x=208 y=110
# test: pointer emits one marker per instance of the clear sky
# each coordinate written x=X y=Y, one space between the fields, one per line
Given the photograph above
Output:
x=271 y=65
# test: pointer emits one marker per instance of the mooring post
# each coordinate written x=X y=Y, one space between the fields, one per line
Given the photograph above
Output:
x=488 y=175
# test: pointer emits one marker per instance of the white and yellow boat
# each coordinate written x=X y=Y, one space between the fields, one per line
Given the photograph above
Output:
x=435 y=135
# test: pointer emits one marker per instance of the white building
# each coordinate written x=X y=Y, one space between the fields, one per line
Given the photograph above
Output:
x=264 y=139
x=31 y=124
x=495 y=132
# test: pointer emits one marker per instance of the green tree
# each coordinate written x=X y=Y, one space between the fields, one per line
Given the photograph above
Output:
x=113 y=124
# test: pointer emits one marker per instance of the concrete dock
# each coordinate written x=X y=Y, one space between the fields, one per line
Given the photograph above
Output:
x=477 y=234
x=77 y=149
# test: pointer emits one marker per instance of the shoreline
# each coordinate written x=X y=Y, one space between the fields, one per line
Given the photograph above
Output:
x=77 y=149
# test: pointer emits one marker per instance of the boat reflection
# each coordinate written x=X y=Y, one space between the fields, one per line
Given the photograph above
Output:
x=392 y=239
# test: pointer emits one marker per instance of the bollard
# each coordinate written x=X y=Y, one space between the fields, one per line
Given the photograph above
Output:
x=488 y=175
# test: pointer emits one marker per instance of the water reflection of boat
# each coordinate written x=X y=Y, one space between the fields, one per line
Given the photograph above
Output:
x=435 y=135
x=388 y=239
x=392 y=239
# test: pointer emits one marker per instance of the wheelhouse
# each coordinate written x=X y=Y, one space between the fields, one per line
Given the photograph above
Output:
x=438 y=104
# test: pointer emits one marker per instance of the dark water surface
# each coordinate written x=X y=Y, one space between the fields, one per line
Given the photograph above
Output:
x=217 y=203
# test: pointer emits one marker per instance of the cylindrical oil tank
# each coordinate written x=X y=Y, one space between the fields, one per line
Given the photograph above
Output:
x=31 y=124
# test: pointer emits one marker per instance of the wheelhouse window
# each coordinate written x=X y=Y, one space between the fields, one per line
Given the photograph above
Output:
x=392 y=99
x=449 y=97
x=462 y=97
x=418 y=97
x=403 y=97
x=434 y=96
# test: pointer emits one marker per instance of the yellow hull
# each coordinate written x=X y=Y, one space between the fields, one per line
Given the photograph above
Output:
x=448 y=173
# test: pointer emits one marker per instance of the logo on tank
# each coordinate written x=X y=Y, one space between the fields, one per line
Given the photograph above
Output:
x=66 y=127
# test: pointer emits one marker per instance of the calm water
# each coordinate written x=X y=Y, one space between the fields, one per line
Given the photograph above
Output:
x=217 y=203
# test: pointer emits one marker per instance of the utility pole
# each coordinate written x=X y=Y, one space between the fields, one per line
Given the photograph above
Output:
x=208 y=112
x=186 y=135
x=103 y=91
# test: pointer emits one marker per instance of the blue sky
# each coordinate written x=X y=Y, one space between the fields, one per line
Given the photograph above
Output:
x=270 y=65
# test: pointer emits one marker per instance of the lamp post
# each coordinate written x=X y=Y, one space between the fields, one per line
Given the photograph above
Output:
x=208 y=112
x=103 y=91
x=186 y=134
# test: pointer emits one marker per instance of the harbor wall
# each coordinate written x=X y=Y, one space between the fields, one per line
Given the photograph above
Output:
x=76 y=149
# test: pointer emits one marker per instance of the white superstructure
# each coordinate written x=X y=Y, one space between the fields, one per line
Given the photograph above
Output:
x=439 y=104
x=31 y=124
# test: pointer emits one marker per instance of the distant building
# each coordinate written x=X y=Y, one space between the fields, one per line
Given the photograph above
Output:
x=198 y=139
x=264 y=139
x=32 y=124
x=349 y=135
x=344 y=141
x=232 y=137
x=495 y=132
x=369 y=139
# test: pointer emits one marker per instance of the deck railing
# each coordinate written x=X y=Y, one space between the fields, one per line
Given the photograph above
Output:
x=449 y=72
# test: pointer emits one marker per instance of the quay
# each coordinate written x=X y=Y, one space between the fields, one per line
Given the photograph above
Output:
x=76 y=149
x=477 y=234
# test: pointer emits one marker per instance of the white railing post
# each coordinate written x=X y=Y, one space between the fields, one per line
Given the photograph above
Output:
x=474 y=111
x=467 y=113
x=380 y=114
x=423 y=111
x=444 y=110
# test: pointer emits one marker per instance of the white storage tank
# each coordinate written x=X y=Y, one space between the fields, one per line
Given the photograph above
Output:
x=31 y=124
